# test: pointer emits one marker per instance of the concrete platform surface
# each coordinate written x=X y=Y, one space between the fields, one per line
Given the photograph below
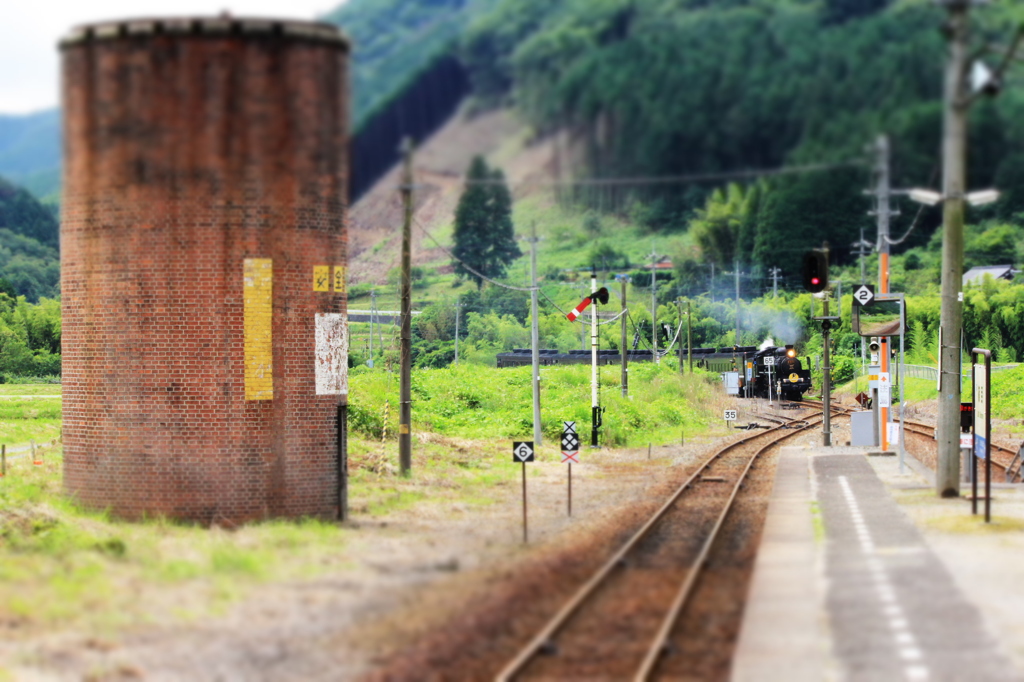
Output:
x=865 y=574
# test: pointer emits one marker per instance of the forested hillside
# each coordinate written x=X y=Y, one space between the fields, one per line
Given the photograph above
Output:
x=29 y=261
x=394 y=40
x=688 y=87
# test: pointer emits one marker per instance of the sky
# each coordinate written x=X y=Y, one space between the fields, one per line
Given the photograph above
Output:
x=30 y=29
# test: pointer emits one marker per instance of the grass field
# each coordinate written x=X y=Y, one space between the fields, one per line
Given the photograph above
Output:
x=62 y=565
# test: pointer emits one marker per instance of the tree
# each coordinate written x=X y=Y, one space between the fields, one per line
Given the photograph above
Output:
x=484 y=235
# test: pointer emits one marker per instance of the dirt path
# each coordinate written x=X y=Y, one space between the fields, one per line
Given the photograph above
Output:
x=409 y=574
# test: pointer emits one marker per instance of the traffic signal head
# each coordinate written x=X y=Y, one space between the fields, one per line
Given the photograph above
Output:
x=815 y=271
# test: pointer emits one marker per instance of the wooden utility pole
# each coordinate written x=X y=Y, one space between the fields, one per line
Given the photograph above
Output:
x=535 y=336
x=654 y=308
x=458 y=306
x=405 y=373
x=624 y=349
x=679 y=305
x=954 y=184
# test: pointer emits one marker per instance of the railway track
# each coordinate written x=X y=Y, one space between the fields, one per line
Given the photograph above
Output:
x=1002 y=455
x=624 y=620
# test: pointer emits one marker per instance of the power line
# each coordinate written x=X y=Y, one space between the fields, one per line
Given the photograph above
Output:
x=467 y=266
x=677 y=179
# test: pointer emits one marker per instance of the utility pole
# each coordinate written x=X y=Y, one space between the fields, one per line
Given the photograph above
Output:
x=736 y=268
x=535 y=335
x=654 y=308
x=775 y=282
x=624 y=350
x=883 y=193
x=595 y=405
x=458 y=307
x=954 y=184
x=373 y=309
x=826 y=379
x=405 y=374
x=689 y=336
x=711 y=283
x=864 y=248
x=679 y=306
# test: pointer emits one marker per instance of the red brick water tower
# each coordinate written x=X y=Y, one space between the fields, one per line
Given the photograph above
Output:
x=203 y=267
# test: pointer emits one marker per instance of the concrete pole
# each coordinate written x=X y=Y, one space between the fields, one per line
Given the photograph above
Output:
x=535 y=337
x=882 y=193
x=862 y=252
x=595 y=406
x=954 y=158
x=689 y=336
x=736 y=268
x=458 y=307
x=826 y=380
x=624 y=349
x=405 y=373
x=775 y=282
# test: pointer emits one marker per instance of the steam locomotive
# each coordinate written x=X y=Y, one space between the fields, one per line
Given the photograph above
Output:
x=772 y=372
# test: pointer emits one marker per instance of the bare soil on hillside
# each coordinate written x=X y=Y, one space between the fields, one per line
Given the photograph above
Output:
x=375 y=221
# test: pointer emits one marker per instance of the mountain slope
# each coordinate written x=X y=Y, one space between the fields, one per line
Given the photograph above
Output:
x=28 y=244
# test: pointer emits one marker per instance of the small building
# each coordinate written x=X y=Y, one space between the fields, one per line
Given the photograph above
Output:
x=977 y=275
x=663 y=265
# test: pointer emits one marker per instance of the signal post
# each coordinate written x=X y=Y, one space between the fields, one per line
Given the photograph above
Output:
x=815 y=279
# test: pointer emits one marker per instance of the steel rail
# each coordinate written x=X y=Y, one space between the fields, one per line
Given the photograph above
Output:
x=555 y=624
x=659 y=646
x=929 y=432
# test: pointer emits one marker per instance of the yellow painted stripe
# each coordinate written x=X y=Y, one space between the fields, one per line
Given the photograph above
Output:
x=258 y=317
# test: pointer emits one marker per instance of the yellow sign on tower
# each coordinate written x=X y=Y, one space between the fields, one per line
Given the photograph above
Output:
x=321 y=278
x=258 y=316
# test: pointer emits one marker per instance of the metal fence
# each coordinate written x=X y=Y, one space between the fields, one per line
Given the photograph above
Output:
x=932 y=373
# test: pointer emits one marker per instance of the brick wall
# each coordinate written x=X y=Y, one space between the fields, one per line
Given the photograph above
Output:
x=191 y=147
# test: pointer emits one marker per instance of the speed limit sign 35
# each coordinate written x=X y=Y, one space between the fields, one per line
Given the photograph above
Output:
x=730 y=415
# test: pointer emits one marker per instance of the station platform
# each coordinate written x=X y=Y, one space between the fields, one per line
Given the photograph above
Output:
x=865 y=574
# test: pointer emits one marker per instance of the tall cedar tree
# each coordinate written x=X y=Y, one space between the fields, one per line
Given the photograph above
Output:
x=484 y=236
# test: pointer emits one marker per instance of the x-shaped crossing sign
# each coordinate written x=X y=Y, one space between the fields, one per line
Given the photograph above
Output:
x=570 y=443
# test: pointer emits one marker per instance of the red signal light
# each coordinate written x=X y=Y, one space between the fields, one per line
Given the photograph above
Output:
x=815 y=280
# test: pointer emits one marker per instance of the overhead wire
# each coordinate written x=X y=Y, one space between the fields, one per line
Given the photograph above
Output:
x=920 y=210
x=676 y=179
